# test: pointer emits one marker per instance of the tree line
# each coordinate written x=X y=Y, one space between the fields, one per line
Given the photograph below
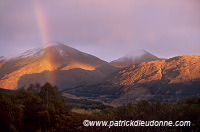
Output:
x=43 y=109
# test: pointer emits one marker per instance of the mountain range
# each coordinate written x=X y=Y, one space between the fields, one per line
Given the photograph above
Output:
x=139 y=75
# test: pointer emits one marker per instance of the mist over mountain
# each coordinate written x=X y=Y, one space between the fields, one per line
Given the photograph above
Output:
x=167 y=80
x=39 y=64
x=134 y=58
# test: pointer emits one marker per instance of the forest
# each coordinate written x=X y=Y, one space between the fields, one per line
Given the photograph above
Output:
x=43 y=109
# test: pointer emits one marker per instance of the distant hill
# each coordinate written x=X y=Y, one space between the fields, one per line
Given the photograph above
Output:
x=167 y=80
x=134 y=58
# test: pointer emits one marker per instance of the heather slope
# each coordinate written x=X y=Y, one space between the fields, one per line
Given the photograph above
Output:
x=169 y=80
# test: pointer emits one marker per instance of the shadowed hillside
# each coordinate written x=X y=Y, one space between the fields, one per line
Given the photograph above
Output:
x=64 y=78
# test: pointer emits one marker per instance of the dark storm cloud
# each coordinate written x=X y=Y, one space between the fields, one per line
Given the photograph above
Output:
x=105 y=28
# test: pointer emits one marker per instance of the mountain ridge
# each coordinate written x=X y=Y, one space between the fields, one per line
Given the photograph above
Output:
x=174 y=79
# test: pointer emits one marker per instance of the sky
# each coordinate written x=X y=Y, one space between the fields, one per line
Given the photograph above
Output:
x=108 y=29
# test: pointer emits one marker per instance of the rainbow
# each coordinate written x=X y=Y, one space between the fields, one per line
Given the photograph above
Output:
x=42 y=22
x=43 y=27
